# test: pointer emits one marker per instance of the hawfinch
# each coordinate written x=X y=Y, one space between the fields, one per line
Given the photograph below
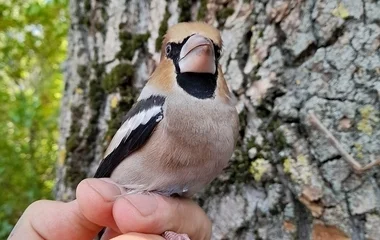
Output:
x=182 y=130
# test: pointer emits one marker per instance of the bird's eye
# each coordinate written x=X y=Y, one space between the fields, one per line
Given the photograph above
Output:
x=218 y=53
x=168 y=49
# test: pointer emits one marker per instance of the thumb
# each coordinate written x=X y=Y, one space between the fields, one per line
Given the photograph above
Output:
x=155 y=214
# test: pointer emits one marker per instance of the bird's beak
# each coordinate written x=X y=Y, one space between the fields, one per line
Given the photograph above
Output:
x=197 y=55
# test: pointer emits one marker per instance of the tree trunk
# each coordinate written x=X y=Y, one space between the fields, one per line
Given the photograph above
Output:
x=283 y=60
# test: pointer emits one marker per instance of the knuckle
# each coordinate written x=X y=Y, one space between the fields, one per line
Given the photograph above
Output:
x=37 y=205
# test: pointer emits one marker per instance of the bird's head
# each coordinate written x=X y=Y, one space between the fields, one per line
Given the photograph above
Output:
x=193 y=47
x=190 y=59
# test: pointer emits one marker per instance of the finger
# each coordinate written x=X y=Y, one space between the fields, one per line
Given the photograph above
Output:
x=156 y=214
x=96 y=198
x=57 y=220
x=53 y=220
x=138 y=236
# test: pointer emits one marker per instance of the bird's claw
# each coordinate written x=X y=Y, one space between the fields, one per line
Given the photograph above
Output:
x=168 y=235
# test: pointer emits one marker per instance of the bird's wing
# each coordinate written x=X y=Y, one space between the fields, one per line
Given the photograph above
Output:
x=138 y=126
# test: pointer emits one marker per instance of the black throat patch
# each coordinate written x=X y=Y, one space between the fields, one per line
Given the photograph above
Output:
x=199 y=85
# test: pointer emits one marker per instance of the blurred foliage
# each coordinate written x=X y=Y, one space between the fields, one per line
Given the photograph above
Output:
x=32 y=47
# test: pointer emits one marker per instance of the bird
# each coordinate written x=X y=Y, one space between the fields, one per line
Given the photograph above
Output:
x=183 y=128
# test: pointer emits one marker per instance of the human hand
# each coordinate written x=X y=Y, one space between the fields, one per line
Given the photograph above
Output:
x=101 y=203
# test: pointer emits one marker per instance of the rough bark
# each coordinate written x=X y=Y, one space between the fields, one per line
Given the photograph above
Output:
x=282 y=59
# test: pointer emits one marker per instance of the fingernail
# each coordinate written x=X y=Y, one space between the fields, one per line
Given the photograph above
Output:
x=106 y=188
x=145 y=204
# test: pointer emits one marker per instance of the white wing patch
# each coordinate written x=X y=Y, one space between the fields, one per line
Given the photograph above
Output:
x=141 y=118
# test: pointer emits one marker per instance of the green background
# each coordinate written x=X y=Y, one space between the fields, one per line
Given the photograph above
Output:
x=32 y=49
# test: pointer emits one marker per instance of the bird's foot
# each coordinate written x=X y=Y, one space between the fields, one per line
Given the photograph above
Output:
x=168 y=235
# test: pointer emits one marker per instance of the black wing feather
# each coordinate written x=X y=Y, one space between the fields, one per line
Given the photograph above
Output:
x=134 y=140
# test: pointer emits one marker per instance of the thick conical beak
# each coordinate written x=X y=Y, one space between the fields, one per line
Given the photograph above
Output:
x=197 y=55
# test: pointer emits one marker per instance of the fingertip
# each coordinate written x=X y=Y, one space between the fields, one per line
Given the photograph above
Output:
x=96 y=198
x=104 y=188
x=137 y=213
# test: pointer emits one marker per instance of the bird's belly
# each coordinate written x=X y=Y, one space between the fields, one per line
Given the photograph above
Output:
x=194 y=163
x=181 y=156
x=173 y=165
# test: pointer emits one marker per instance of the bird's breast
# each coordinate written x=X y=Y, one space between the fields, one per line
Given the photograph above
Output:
x=204 y=127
